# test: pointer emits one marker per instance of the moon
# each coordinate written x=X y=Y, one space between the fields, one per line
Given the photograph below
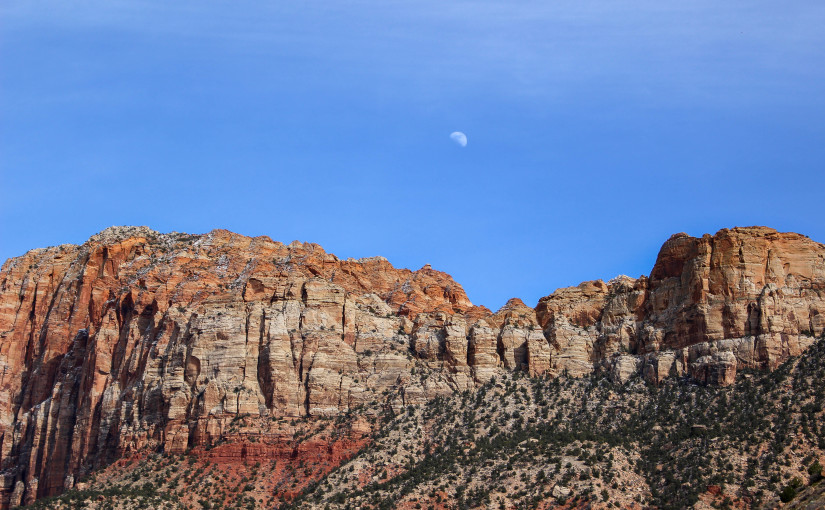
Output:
x=459 y=138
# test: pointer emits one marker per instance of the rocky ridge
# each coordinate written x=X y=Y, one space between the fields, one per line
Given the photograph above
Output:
x=137 y=340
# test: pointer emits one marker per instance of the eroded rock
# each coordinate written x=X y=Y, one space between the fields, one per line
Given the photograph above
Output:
x=137 y=339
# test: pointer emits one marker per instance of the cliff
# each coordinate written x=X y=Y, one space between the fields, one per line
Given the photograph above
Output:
x=137 y=340
x=743 y=298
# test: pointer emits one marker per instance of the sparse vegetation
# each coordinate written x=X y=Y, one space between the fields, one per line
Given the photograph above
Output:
x=518 y=442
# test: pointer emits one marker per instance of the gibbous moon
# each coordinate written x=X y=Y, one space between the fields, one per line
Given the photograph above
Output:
x=459 y=138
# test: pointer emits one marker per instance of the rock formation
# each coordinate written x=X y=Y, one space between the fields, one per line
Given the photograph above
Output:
x=743 y=298
x=139 y=340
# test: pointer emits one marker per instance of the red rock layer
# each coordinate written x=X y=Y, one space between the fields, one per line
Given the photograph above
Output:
x=137 y=338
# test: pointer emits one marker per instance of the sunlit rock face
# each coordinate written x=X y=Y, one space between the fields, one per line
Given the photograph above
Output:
x=745 y=297
x=137 y=339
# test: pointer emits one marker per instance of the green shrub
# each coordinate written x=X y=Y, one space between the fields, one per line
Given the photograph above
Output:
x=787 y=494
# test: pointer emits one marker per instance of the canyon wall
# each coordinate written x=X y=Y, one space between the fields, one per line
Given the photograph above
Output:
x=139 y=340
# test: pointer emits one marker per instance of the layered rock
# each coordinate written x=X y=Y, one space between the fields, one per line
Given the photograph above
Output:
x=137 y=339
x=743 y=298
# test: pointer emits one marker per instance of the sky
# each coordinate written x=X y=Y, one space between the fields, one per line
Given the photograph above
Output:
x=595 y=129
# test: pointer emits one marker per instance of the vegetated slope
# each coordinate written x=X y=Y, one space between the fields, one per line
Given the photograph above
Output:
x=260 y=463
x=139 y=342
x=522 y=442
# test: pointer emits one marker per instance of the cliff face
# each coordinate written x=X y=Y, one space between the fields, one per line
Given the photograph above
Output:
x=743 y=298
x=140 y=340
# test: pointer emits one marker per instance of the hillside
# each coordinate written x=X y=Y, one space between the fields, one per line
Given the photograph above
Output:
x=137 y=348
x=522 y=442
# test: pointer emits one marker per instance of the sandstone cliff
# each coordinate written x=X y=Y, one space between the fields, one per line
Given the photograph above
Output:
x=743 y=298
x=141 y=340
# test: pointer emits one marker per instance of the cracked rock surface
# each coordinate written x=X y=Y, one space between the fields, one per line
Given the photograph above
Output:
x=137 y=339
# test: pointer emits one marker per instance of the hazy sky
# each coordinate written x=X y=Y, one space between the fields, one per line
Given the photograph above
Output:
x=595 y=129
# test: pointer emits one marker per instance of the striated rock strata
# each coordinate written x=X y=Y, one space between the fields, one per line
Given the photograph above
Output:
x=141 y=340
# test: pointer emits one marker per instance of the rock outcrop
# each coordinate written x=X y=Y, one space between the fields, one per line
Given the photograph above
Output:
x=139 y=340
x=743 y=298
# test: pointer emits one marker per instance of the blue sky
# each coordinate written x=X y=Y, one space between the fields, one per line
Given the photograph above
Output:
x=596 y=128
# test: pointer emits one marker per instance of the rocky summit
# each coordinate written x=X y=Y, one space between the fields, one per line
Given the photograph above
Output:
x=247 y=357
